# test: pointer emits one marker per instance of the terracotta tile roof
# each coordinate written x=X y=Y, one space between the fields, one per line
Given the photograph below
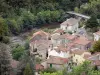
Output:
x=41 y=43
x=62 y=48
x=59 y=31
x=98 y=33
x=82 y=41
x=14 y=63
x=96 y=53
x=97 y=62
x=71 y=21
x=57 y=60
x=86 y=56
x=68 y=36
x=39 y=67
x=39 y=34
x=78 y=52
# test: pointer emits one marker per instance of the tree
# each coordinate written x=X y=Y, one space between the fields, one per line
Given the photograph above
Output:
x=49 y=70
x=92 y=23
x=18 y=52
x=5 y=65
x=3 y=28
x=28 y=20
x=82 y=69
x=13 y=26
x=96 y=46
x=28 y=70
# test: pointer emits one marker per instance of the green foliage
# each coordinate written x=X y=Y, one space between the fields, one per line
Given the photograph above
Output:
x=84 y=69
x=94 y=72
x=38 y=60
x=26 y=45
x=92 y=7
x=49 y=70
x=48 y=16
x=28 y=19
x=96 y=46
x=54 y=73
x=22 y=15
x=3 y=28
x=92 y=23
x=13 y=26
x=5 y=59
x=5 y=39
x=18 y=52
x=28 y=70
x=76 y=9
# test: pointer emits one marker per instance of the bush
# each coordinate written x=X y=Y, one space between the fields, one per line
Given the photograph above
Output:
x=26 y=45
x=17 y=52
x=49 y=70
x=38 y=60
x=5 y=39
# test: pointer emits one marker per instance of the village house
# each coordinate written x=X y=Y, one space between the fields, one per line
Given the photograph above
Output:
x=40 y=35
x=70 y=25
x=59 y=51
x=79 y=56
x=95 y=59
x=58 y=62
x=96 y=36
x=67 y=38
x=39 y=44
x=62 y=39
x=82 y=43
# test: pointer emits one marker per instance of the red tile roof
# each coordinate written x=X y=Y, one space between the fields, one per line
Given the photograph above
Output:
x=62 y=48
x=78 y=52
x=97 y=62
x=86 y=56
x=39 y=67
x=39 y=34
x=68 y=36
x=57 y=60
x=82 y=41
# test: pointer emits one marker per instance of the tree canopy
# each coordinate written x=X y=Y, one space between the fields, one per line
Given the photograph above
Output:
x=5 y=59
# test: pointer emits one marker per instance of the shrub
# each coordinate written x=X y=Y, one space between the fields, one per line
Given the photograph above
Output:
x=5 y=39
x=18 y=52
x=49 y=70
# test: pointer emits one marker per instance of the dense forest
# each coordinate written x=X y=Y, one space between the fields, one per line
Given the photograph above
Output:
x=17 y=16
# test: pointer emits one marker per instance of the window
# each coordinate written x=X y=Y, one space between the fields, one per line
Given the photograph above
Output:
x=49 y=38
x=35 y=50
x=50 y=65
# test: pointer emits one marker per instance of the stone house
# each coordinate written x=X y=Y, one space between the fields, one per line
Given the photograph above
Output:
x=70 y=25
x=82 y=43
x=58 y=62
x=96 y=36
x=79 y=56
x=59 y=51
x=95 y=59
x=39 y=43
